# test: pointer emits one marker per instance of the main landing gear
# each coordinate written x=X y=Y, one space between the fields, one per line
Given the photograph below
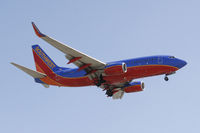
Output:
x=109 y=93
x=100 y=81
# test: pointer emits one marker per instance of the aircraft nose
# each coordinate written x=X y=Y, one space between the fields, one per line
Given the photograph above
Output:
x=181 y=63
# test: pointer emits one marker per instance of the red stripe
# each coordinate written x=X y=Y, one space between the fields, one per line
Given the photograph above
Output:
x=74 y=59
x=83 y=67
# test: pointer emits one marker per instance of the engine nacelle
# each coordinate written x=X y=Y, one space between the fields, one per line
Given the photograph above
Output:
x=115 y=68
x=134 y=87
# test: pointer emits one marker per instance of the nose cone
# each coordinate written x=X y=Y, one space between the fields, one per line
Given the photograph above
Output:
x=180 y=63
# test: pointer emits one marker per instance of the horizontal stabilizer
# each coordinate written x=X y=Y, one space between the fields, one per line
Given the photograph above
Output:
x=30 y=72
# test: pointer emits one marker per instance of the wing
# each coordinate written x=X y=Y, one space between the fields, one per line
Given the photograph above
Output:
x=74 y=56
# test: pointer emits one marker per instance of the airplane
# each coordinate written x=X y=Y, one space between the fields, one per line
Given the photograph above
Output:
x=116 y=78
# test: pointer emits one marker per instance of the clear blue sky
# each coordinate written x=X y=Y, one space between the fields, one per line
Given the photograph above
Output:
x=108 y=30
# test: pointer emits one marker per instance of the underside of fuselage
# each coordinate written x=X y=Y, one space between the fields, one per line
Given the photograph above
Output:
x=141 y=72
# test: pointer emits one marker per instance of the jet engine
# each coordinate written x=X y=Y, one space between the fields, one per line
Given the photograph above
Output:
x=134 y=87
x=115 y=68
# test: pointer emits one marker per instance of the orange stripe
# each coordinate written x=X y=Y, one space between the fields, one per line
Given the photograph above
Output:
x=38 y=68
x=46 y=79
x=50 y=81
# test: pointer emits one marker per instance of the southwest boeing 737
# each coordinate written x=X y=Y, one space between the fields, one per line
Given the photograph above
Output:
x=116 y=78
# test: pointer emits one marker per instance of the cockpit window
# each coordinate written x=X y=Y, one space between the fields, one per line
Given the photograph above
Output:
x=171 y=57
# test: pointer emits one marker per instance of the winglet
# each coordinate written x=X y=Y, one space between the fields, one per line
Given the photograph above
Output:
x=37 y=31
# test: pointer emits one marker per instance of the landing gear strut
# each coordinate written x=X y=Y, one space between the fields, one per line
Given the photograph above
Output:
x=166 y=76
x=100 y=81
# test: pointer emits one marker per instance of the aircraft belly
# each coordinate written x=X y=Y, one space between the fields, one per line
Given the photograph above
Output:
x=140 y=72
x=150 y=70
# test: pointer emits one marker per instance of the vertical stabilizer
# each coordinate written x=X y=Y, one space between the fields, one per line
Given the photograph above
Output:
x=43 y=62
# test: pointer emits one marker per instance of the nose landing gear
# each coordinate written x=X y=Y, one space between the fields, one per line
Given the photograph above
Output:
x=166 y=78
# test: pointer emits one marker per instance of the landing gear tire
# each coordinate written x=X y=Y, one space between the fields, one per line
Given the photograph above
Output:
x=109 y=93
x=98 y=84
x=166 y=78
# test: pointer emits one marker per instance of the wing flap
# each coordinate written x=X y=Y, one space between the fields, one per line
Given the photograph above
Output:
x=118 y=95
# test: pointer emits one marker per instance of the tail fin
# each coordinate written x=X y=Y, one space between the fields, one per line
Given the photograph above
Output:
x=42 y=61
